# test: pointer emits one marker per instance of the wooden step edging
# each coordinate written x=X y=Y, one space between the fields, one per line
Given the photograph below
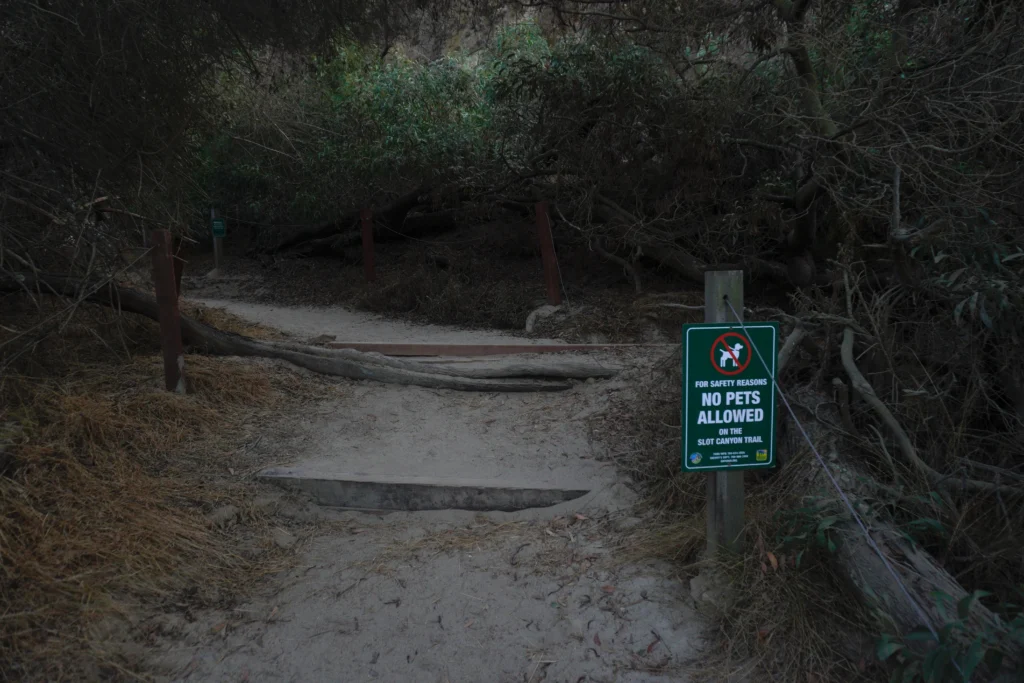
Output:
x=464 y=350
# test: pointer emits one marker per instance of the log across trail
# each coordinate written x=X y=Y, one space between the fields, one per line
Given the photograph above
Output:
x=500 y=376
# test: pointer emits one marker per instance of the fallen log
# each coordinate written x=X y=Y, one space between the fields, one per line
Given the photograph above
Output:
x=415 y=227
x=392 y=215
x=321 y=234
x=498 y=377
x=789 y=347
x=682 y=262
x=566 y=369
x=333 y=246
x=664 y=250
x=902 y=606
x=494 y=369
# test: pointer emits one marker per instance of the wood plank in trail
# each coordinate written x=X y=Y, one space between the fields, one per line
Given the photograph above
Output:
x=466 y=350
x=413 y=493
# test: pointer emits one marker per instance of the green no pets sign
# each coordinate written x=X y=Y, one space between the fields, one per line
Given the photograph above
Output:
x=220 y=228
x=728 y=396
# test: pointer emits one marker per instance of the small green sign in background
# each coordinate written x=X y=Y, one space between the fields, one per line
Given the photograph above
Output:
x=728 y=396
x=220 y=228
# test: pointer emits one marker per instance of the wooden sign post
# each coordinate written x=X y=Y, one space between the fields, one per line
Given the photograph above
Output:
x=728 y=411
x=167 y=302
x=725 y=488
x=220 y=231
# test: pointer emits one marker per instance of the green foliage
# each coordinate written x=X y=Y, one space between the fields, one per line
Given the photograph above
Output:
x=358 y=127
x=576 y=70
x=868 y=27
x=925 y=530
x=522 y=41
x=982 y=278
x=806 y=530
x=410 y=116
x=955 y=653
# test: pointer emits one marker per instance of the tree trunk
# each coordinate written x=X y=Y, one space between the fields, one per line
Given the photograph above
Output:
x=923 y=578
x=682 y=262
x=412 y=227
x=501 y=376
x=857 y=562
x=391 y=216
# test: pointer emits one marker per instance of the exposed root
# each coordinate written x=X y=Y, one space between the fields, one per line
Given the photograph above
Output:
x=336 y=362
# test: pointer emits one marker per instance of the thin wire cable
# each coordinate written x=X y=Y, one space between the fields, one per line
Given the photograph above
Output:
x=471 y=240
x=236 y=219
x=561 y=282
x=842 y=494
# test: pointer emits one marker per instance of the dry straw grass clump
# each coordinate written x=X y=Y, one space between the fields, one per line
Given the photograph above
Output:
x=791 y=620
x=229 y=322
x=103 y=502
x=789 y=616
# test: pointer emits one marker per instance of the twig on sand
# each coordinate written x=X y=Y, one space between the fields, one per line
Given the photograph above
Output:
x=513 y=560
x=536 y=667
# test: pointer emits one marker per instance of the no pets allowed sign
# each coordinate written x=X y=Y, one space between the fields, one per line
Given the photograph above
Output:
x=728 y=396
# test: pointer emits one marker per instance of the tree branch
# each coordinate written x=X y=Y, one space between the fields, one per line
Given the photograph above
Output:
x=867 y=392
x=630 y=270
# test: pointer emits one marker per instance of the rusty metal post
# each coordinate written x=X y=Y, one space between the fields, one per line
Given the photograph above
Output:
x=167 y=302
x=366 y=217
x=547 y=254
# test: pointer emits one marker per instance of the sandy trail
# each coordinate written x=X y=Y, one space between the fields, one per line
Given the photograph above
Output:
x=351 y=326
x=450 y=596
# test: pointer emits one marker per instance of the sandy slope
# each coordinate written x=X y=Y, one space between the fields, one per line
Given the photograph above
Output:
x=539 y=595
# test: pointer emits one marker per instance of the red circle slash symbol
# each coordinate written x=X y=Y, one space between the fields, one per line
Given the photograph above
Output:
x=725 y=356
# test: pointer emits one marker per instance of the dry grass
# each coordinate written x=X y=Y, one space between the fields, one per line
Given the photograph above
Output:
x=104 y=483
x=789 y=623
x=229 y=322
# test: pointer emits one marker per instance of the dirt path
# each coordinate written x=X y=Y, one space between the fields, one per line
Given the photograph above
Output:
x=450 y=596
x=350 y=325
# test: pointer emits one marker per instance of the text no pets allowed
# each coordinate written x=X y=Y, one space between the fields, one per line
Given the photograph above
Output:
x=713 y=412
